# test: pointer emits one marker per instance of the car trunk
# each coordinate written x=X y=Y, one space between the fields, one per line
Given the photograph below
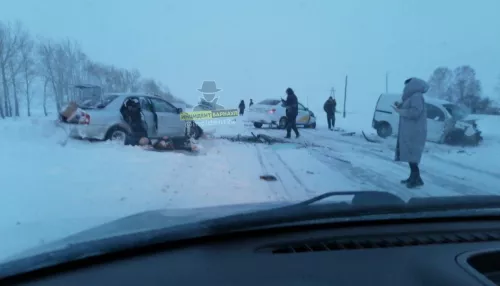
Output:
x=265 y=106
x=259 y=108
x=73 y=114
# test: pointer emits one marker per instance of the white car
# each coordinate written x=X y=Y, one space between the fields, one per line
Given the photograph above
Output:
x=272 y=112
x=101 y=119
x=444 y=119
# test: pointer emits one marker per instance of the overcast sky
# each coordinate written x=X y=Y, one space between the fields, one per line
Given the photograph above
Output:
x=257 y=48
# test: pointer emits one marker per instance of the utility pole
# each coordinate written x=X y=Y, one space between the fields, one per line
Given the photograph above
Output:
x=345 y=94
x=387 y=82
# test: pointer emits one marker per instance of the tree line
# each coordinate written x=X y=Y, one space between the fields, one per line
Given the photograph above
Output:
x=461 y=86
x=57 y=66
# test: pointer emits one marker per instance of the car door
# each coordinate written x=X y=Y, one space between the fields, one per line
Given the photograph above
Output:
x=303 y=116
x=435 y=123
x=169 y=120
x=147 y=112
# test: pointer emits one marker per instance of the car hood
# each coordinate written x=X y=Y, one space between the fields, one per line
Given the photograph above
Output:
x=149 y=220
x=466 y=123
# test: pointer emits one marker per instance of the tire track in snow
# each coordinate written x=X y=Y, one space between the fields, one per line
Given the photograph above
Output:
x=439 y=180
x=282 y=194
x=463 y=166
x=293 y=187
x=294 y=175
x=440 y=147
x=373 y=179
x=429 y=172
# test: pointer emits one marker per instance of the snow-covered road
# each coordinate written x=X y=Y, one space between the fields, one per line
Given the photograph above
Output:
x=49 y=191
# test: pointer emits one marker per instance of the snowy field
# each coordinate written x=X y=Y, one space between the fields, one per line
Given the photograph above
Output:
x=50 y=191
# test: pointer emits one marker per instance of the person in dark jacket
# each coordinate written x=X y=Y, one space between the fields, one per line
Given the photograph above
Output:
x=131 y=112
x=251 y=103
x=330 y=107
x=242 y=107
x=292 y=110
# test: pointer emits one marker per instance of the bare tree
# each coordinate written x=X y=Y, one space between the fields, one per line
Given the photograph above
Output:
x=45 y=84
x=28 y=69
x=466 y=87
x=11 y=39
x=440 y=83
x=46 y=51
x=151 y=86
x=497 y=88
x=58 y=66
x=15 y=64
x=62 y=64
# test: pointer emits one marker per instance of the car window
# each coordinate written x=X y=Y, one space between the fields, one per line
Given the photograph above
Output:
x=146 y=105
x=301 y=107
x=163 y=106
x=434 y=113
x=97 y=102
x=269 y=102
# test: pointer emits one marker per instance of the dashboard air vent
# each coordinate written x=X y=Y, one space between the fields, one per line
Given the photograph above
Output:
x=343 y=243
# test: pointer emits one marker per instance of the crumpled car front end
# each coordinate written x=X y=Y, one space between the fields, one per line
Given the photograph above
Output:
x=465 y=133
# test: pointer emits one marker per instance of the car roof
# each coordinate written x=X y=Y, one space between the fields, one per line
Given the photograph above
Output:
x=131 y=94
x=126 y=94
x=428 y=99
x=436 y=100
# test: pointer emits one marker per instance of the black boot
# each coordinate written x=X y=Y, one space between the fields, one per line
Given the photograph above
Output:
x=409 y=179
x=416 y=181
x=406 y=180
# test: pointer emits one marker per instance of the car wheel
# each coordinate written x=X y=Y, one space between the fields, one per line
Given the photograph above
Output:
x=257 y=124
x=313 y=125
x=117 y=134
x=384 y=130
x=282 y=123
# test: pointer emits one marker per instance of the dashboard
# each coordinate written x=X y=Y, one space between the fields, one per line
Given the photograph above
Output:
x=437 y=253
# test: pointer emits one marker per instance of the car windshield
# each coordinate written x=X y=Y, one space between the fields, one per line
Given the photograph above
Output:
x=269 y=102
x=210 y=108
x=97 y=102
x=457 y=112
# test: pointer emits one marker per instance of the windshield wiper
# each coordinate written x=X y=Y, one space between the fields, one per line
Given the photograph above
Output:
x=360 y=198
x=363 y=203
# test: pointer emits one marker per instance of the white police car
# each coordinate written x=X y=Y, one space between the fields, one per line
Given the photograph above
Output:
x=273 y=113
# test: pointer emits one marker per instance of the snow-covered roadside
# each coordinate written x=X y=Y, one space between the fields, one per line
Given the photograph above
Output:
x=53 y=191
x=447 y=170
x=50 y=191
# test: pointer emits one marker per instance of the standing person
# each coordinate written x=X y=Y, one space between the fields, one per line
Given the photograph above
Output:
x=292 y=110
x=251 y=103
x=242 y=107
x=330 y=107
x=412 y=132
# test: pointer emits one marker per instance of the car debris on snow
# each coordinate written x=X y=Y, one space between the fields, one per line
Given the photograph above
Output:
x=268 y=178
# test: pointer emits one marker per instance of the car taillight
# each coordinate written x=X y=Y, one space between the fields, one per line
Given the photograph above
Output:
x=272 y=111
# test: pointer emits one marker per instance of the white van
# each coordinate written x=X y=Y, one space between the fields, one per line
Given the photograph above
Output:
x=444 y=119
